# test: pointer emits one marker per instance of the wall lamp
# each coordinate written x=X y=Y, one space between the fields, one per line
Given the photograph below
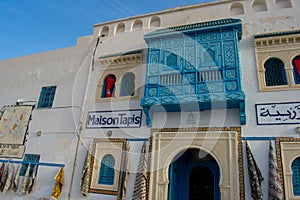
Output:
x=22 y=101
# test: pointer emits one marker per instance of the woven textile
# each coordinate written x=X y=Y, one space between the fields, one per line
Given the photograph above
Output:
x=275 y=189
x=255 y=176
x=140 y=187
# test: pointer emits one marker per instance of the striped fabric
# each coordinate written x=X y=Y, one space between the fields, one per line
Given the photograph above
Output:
x=125 y=173
x=275 y=189
x=8 y=182
x=16 y=179
x=25 y=181
x=32 y=180
x=255 y=176
x=140 y=187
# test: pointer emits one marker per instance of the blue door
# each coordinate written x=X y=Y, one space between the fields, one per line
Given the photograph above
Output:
x=194 y=178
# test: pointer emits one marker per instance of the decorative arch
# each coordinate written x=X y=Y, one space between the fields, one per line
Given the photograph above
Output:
x=237 y=8
x=283 y=4
x=259 y=5
x=104 y=31
x=137 y=24
x=168 y=144
x=155 y=22
x=275 y=72
x=192 y=162
x=120 y=28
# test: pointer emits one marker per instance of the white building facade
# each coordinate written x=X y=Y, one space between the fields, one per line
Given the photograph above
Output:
x=195 y=84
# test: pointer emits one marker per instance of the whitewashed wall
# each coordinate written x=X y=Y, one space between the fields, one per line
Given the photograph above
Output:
x=69 y=69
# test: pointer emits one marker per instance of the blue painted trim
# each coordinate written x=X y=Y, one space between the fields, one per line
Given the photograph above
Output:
x=33 y=163
x=258 y=138
x=137 y=139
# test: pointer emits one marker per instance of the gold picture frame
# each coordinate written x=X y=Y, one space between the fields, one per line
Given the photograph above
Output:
x=115 y=149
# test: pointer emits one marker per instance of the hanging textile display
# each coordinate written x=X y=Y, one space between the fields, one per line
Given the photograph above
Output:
x=85 y=177
x=275 y=189
x=9 y=180
x=31 y=181
x=140 y=186
x=25 y=180
x=15 y=182
x=110 y=85
x=255 y=176
x=4 y=177
x=1 y=174
x=59 y=178
x=124 y=176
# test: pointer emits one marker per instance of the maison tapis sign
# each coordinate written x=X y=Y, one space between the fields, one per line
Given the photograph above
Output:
x=114 y=119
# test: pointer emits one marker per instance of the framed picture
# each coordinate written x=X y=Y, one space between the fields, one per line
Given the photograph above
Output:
x=107 y=165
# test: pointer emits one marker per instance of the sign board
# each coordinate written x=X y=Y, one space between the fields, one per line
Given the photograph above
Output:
x=114 y=119
x=11 y=150
x=278 y=113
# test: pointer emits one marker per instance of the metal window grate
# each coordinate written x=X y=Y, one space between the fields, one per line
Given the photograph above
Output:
x=275 y=73
x=46 y=97
x=107 y=172
x=296 y=176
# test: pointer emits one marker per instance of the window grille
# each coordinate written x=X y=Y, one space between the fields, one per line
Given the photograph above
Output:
x=107 y=172
x=46 y=97
x=296 y=176
x=275 y=73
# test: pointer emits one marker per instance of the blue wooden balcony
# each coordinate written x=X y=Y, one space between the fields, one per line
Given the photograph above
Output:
x=193 y=68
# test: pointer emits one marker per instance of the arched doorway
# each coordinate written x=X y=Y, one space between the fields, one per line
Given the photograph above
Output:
x=195 y=175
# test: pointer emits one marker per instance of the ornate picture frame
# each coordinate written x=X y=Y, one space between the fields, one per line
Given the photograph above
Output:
x=107 y=165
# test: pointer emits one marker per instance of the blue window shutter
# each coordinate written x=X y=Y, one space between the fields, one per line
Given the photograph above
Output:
x=107 y=173
x=296 y=176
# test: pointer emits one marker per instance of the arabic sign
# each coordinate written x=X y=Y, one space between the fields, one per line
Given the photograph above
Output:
x=278 y=113
x=114 y=119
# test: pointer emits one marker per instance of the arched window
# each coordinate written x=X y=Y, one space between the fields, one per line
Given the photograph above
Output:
x=108 y=86
x=296 y=69
x=155 y=22
x=120 y=28
x=259 y=6
x=127 y=87
x=138 y=24
x=296 y=176
x=237 y=9
x=283 y=4
x=107 y=172
x=274 y=72
x=104 y=32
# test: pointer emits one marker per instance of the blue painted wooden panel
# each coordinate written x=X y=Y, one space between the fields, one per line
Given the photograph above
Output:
x=199 y=60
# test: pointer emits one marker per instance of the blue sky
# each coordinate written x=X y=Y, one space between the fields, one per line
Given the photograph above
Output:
x=33 y=26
